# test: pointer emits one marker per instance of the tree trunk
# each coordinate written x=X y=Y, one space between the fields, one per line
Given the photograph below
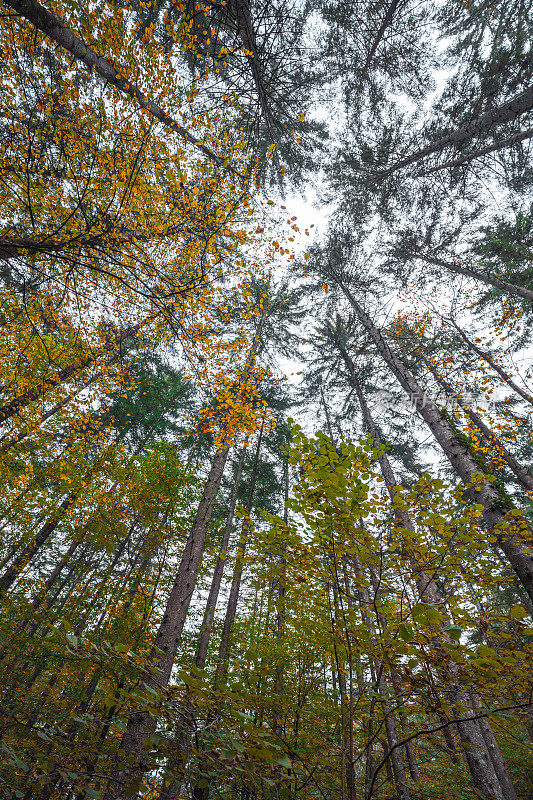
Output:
x=175 y=768
x=4 y=448
x=500 y=144
x=231 y=609
x=506 y=112
x=387 y=19
x=277 y=725
x=131 y=761
x=481 y=764
x=394 y=753
x=494 y=503
x=518 y=470
x=202 y=792
x=58 y=31
x=494 y=751
x=490 y=361
x=13 y=571
x=476 y=753
x=210 y=606
x=30 y=395
x=485 y=277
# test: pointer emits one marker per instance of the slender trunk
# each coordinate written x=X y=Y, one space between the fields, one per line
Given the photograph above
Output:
x=277 y=724
x=43 y=534
x=518 y=470
x=494 y=503
x=500 y=144
x=487 y=278
x=210 y=606
x=10 y=443
x=56 y=30
x=387 y=19
x=345 y=695
x=30 y=395
x=394 y=753
x=506 y=112
x=131 y=761
x=231 y=609
x=175 y=767
x=484 y=774
x=494 y=751
x=448 y=736
x=479 y=762
x=496 y=367
x=202 y=792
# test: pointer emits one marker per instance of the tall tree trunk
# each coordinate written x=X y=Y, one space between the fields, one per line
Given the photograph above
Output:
x=387 y=19
x=494 y=750
x=131 y=761
x=176 y=764
x=394 y=753
x=202 y=792
x=56 y=30
x=277 y=725
x=38 y=392
x=233 y=599
x=499 y=144
x=494 y=503
x=523 y=477
x=506 y=112
x=482 y=768
x=487 y=278
x=496 y=367
x=10 y=443
x=43 y=534
x=211 y=604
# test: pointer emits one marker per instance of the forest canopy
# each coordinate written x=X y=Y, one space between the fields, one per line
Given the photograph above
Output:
x=266 y=508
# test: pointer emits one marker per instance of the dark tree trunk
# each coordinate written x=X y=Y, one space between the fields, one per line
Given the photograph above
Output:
x=175 y=765
x=487 y=278
x=13 y=571
x=210 y=606
x=4 y=448
x=131 y=761
x=486 y=771
x=231 y=609
x=496 y=367
x=30 y=395
x=494 y=503
x=523 y=477
x=506 y=112
x=58 y=32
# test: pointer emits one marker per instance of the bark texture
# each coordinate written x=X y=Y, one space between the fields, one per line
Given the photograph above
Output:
x=131 y=758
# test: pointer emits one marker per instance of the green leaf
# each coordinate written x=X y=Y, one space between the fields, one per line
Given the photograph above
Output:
x=454 y=632
x=518 y=612
x=405 y=632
